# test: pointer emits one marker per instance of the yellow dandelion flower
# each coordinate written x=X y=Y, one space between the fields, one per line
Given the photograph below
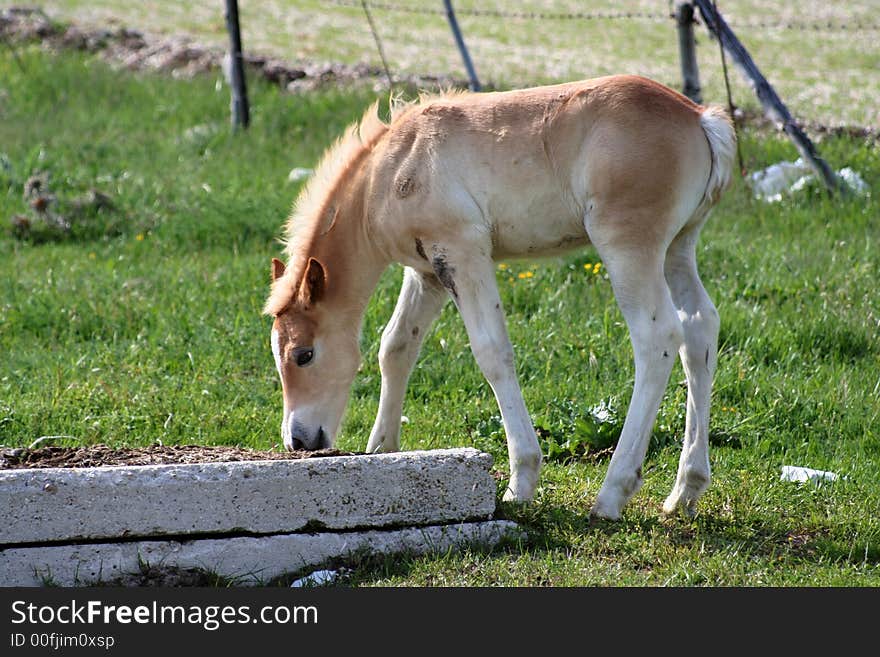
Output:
x=525 y=274
x=139 y=237
x=502 y=266
x=588 y=266
x=597 y=267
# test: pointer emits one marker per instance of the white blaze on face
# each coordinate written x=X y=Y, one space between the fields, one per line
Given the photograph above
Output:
x=276 y=351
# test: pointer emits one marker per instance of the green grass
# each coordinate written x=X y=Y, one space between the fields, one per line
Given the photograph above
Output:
x=143 y=324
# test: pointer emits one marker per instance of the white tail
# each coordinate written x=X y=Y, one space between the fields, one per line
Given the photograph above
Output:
x=722 y=142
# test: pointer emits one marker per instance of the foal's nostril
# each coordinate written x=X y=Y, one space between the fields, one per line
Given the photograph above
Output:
x=301 y=437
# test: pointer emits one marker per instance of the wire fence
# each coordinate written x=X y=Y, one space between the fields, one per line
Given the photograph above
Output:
x=516 y=15
x=819 y=55
x=855 y=25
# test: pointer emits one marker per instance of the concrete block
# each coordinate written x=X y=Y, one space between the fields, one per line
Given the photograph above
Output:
x=245 y=560
x=249 y=497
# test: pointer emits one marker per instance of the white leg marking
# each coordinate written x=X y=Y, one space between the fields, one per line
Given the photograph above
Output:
x=479 y=303
x=656 y=335
x=699 y=358
x=420 y=302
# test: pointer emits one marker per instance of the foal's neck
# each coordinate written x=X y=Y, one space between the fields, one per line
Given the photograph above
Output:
x=352 y=260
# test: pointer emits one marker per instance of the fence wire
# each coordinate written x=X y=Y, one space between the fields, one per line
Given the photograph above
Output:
x=815 y=26
x=558 y=18
x=501 y=13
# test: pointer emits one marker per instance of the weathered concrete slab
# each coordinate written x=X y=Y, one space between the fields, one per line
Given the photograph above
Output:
x=261 y=497
x=246 y=560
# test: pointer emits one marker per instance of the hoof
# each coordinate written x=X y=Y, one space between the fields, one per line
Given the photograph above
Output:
x=519 y=494
x=673 y=505
x=670 y=506
x=609 y=503
x=522 y=486
x=382 y=446
x=601 y=512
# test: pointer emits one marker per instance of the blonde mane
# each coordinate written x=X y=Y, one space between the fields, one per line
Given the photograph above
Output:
x=309 y=216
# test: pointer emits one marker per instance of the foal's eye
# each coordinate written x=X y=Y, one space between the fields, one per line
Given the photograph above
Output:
x=303 y=356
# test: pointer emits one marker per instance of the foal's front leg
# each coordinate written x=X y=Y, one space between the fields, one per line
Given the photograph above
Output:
x=470 y=280
x=420 y=302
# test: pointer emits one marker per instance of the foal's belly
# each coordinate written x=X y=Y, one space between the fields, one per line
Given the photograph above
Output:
x=544 y=228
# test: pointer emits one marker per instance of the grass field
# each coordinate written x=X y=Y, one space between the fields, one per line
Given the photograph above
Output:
x=829 y=75
x=142 y=323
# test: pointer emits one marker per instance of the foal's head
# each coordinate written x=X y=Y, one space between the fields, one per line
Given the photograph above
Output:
x=317 y=357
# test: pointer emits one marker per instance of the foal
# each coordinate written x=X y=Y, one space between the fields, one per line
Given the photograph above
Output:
x=455 y=182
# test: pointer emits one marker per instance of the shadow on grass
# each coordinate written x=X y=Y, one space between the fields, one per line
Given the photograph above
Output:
x=556 y=529
x=551 y=528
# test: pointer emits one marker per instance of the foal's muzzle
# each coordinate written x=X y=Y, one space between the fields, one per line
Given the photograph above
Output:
x=302 y=438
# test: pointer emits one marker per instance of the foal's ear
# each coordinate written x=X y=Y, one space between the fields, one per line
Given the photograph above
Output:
x=277 y=269
x=314 y=282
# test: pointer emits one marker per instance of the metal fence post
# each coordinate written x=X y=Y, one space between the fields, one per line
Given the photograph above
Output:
x=473 y=82
x=690 y=73
x=239 y=104
x=773 y=105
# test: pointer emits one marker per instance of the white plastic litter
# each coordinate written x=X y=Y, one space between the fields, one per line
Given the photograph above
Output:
x=855 y=181
x=791 y=177
x=317 y=578
x=299 y=173
x=799 y=473
x=200 y=133
x=769 y=184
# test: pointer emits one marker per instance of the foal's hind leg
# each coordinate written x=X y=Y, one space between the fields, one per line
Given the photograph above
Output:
x=699 y=357
x=656 y=334
x=420 y=302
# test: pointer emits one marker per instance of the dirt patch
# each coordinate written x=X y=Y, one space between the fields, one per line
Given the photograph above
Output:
x=95 y=456
x=181 y=56
x=166 y=576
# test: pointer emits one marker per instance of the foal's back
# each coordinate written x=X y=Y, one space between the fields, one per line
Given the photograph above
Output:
x=529 y=167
